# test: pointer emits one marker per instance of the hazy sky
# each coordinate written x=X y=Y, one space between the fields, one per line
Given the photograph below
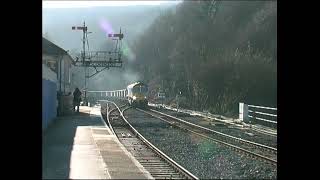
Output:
x=86 y=4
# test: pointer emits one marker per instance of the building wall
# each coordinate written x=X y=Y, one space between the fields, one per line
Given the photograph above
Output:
x=66 y=65
x=49 y=96
x=66 y=75
x=51 y=62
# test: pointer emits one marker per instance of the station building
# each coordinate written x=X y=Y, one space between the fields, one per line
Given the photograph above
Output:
x=57 y=86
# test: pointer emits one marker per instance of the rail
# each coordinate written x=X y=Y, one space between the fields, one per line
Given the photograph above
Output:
x=236 y=139
x=159 y=152
x=108 y=119
x=213 y=131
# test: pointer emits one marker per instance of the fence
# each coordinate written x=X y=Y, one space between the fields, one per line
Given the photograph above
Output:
x=122 y=94
x=258 y=114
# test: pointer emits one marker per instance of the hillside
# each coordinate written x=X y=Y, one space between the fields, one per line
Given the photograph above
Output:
x=215 y=59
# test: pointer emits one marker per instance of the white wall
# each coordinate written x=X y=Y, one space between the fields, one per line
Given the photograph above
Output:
x=48 y=74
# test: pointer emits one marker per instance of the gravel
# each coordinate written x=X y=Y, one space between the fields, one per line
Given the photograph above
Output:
x=204 y=158
x=244 y=133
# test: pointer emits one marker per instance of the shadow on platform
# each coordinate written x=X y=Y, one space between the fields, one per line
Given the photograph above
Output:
x=58 y=141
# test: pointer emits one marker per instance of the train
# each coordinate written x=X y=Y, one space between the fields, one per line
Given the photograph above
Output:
x=137 y=95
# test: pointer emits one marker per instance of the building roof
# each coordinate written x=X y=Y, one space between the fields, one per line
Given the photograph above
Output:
x=50 y=48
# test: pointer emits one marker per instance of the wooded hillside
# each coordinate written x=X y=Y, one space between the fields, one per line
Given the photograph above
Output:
x=216 y=56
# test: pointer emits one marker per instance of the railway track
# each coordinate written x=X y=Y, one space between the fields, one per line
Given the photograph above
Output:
x=254 y=150
x=219 y=118
x=150 y=157
x=244 y=131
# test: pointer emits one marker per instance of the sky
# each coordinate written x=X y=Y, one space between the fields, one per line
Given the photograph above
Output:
x=60 y=16
x=86 y=4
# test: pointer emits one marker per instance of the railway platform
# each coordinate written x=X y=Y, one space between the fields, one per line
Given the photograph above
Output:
x=81 y=146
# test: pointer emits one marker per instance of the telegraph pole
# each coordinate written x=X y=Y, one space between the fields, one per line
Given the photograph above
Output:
x=84 y=29
x=97 y=58
x=83 y=59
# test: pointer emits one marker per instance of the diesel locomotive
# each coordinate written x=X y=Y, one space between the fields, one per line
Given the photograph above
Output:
x=137 y=94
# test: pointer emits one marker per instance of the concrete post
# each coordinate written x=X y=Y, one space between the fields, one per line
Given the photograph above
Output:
x=243 y=112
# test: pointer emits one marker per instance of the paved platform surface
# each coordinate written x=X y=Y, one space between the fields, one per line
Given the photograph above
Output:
x=81 y=146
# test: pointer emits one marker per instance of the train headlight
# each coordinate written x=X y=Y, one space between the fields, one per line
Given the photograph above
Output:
x=145 y=97
x=134 y=97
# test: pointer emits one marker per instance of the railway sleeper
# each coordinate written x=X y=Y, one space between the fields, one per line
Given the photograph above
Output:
x=151 y=161
x=149 y=158
x=163 y=173
x=136 y=148
x=167 y=172
x=137 y=154
x=157 y=165
x=162 y=167
x=161 y=170
x=168 y=177
x=129 y=143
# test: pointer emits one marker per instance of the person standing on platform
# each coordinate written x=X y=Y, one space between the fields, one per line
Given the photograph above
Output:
x=76 y=99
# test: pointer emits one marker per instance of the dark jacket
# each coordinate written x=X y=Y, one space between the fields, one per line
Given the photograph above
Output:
x=77 y=96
